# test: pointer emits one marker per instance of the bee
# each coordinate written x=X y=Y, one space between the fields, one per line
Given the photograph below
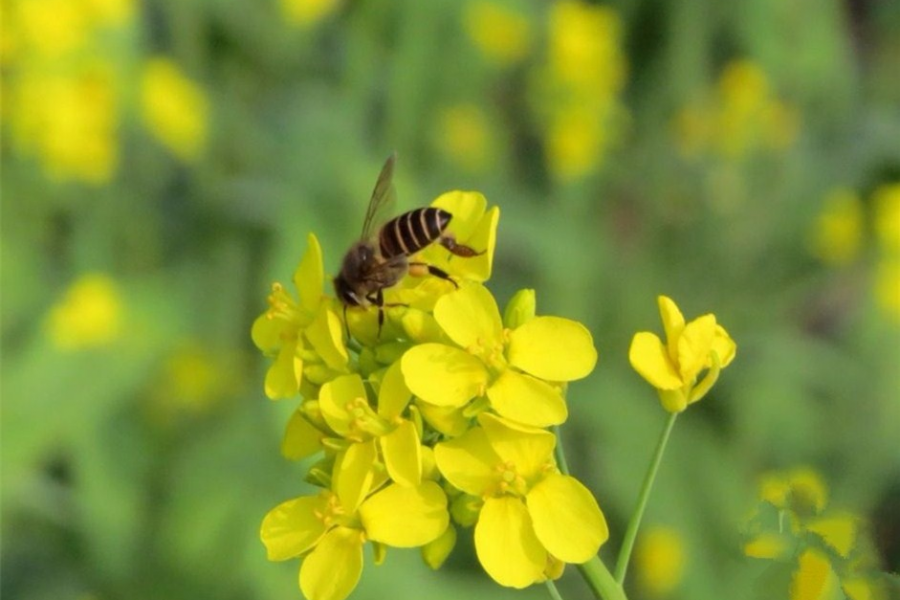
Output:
x=379 y=260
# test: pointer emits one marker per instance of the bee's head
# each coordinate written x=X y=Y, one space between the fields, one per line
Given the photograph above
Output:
x=345 y=293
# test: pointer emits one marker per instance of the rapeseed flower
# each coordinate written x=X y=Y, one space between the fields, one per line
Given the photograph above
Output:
x=837 y=235
x=329 y=530
x=174 y=108
x=91 y=314
x=501 y=33
x=532 y=515
x=660 y=560
x=673 y=367
x=515 y=369
x=301 y=334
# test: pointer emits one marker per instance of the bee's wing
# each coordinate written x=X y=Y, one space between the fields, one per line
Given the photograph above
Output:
x=383 y=197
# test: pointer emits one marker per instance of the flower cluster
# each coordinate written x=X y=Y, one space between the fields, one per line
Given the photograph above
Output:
x=435 y=421
x=826 y=549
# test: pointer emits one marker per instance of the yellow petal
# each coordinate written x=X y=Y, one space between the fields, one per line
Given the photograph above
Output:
x=694 y=345
x=393 y=395
x=449 y=421
x=283 y=376
x=520 y=309
x=471 y=226
x=401 y=450
x=649 y=358
x=267 y=332
x=334 y=398
x=566 y=518
x=354 y=474
x=293 y=527
x=406 y=517
x=443 y=375
x=467 y=209
x=838 y=530
x=767 y=545
x=528 y=448
x=468 y=462
x=301 y=438
x=309 y=278
x=553 y=348
x=724 y=346
x=326 y=336
x=813 y=579
x=506 y=544
x=333 y=569
x=470 y=316
x=527 y=400
x=673 y=323
x=434 y=553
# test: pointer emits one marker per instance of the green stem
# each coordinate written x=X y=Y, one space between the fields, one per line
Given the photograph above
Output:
x=635 y=522
x=561 y=461
x=601 y=580
x=551 y=587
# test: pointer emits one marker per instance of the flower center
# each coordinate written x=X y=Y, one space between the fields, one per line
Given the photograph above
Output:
x=282 y=306
x=509 y=480
x=490 y=352
x=365 y=422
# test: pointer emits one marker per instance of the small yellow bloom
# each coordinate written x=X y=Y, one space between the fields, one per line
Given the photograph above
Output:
x=768 y=545
x=89 y=315
x=839 y=530
x=306 y=13
x=175 y=108
x=305 y=337
x=660 y=560
x=838 y=232
x=674 y=367
x=331 y=532
x=513 y=368
x=802 y=491
x=501 y=33
x=465 y=137
x=531 y=512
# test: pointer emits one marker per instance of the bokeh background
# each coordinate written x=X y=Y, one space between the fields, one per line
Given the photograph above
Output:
x=163 y=162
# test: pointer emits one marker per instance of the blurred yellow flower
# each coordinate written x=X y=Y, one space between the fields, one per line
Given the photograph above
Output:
x=837 y=234
x=465 y=137
x=108 y=12
x=51 y=28
x=89 y=315
x=193 y=381
x=767 y=545
x=740 y=116
x=578 y=87
x=660 y=560
x=801 y=490
x=174 y=108
x=308 y=12
x=886 y=201
x=69 y=122
x=501 y=33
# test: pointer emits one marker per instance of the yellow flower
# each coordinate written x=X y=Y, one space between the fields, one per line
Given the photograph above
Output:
x=674 y=367
x=838 y=232
x=174 y=108
x=306 y=337
x=768 y=545
x=660 y=560
x=531 y=512
x=70 y=123
x=89 y=315
x=346 y=408
x=512 y=367
x=502 y=34
x=52 y=28
x=465 y=137
x=839 y=530
x=886 y=202
x=331 y=530
x=306 y=13
x=800 y=490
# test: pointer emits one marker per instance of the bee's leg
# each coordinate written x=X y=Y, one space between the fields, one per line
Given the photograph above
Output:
x=417 y=269
x=346 y=323
x=449 y=242
x=378 y=300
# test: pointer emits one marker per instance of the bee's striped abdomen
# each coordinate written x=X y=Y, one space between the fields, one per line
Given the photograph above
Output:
x=412 y=231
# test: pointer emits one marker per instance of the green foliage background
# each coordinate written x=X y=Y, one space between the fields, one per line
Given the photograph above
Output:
x=113 y=486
